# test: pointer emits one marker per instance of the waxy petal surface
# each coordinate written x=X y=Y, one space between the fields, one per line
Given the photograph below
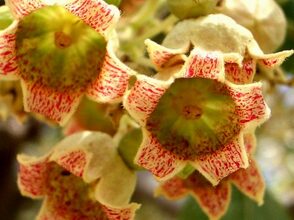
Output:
x=250 y=104
x=242 y=75
x=21 y=8
x=125 y=213
x=32 y=175
x=56 y=105
x=160 y=55
x=112 y=81
x=204 y=64
x=8 y=64
x=153 y=157
x=250 y=182
x=96 y=13
x=213 y=200
x=218 y=164
x=142 y=99
x=173 y=189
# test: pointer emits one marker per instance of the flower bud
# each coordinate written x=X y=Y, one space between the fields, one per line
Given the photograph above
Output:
x=191 y=8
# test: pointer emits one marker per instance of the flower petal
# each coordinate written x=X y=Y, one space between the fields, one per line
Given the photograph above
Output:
x=250 y=182
x=153 y=157
x=250 y=142
x=32 y=175
x=142 y=99
x=117 y=185
x=250 y=104
x=126 y=213
x=204 y=64
x=173 y=189
x=268 y=60
x=68 y=197
x=21 y=8
x=214 y=200
x=243 y=75
x=8 y=64
x=160 y=55
x=56 y=105
x=224 y=161
x=112 y=82
x=95 y=13
x=83 y=154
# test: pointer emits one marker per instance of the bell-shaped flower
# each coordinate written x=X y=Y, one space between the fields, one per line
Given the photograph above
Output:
x=196 y=117
x=216 y=32
x=214 y=200
x=60 y=51
x=83 y=177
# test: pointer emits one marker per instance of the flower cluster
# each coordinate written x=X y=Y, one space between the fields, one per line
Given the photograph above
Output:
x=192 y=123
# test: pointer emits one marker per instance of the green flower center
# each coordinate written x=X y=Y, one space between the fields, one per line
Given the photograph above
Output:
x=194 y=117
x=58 y=49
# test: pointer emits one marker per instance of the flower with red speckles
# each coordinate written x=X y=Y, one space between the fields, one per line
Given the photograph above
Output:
x=215 y=32
x=83 y=177
x=61 y=50
x=214 y=200
x=195 y=117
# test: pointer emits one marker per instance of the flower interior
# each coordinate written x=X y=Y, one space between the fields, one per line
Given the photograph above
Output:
x=57 y=48
x=195 y=116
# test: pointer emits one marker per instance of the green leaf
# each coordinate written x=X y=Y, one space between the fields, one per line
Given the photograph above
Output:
x=241 y=208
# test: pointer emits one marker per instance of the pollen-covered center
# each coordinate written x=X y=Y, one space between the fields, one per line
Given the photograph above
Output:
x=58 y=49
x=194 y=117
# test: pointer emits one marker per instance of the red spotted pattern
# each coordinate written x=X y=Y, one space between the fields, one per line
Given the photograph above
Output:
x=112 y=81
x=222 y=162
x=21 y=8
x=119 y=214
x=174 y=188
x=250 y=104
x=143 y=99
x=213 y=200
x=243 y=75
x=74 y=162
x=8 y=64
x=32 y=178
x=96 y=13
x=204 y=65
x=50 y=102
x=250 y=182
x=155 y=158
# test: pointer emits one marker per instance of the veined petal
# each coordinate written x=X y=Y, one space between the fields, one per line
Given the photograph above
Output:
x=273 y=60
x=153 y=157
x=250 y=104
x=56 y=105
x=68 y=197
x=214 y=200
x=204 y=64
x=173 y=189
x=223 y=162
x=123 y=213
x=112 y=81
x=250 y=142
x=21 y=8
x=8 y=64
x=250 y=182
x=32 y=175
x=160 y=55
x=83 y=154
x=142 y=99
x=96 y=13
x=242 y=75
x=117 y=185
